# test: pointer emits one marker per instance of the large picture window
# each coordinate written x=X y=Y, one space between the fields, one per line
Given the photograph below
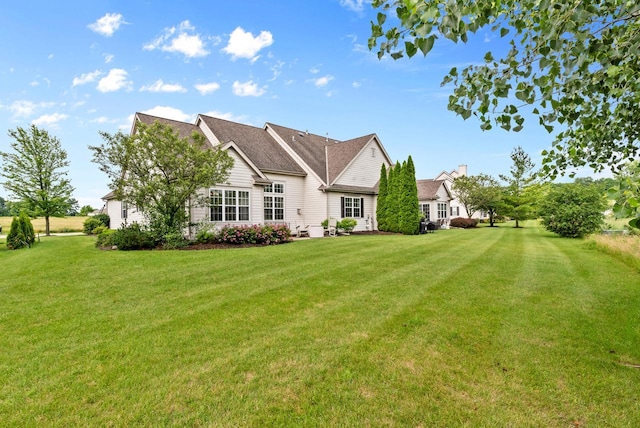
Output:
x=274 y=202
x=229 y=205
x=352 y=207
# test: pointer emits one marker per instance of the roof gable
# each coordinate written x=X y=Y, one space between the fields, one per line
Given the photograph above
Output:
x=428 y=189
x=255 y=143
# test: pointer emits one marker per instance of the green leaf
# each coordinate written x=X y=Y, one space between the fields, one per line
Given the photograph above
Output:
x=425 y=45
x=410 y=48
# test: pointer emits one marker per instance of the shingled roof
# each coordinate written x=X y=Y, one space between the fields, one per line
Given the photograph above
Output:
x=326 y=157
x=185 y=130
x=428 y=189
x=256 y=144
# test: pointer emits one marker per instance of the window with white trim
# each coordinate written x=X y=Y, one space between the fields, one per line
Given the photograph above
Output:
x=455 y=211
x=352 y=207
x=425 y=209
x=274 y=202
x=229 y=205
x=125 y=209
x=442 y=210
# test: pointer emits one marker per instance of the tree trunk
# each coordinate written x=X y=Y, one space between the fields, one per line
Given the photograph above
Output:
x=46 y=226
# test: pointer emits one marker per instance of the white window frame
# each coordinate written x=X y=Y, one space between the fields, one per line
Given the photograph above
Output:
x=352 y=207
x=425 y=209
x=234 y=205
x=124 y=210
x=274 y=202
x=442 y=210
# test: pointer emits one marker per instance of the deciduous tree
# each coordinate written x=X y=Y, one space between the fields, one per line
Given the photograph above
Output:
x=574 y=63
x=159 y=172
x=35 y=173
x=626 y=193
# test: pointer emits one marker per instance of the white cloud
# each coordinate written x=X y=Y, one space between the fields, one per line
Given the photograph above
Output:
x=50 y=56
x=101 y=119
x=49 y=119
x=247 y=89
x=25 y=108
x=86 y=78
x=322 y=81
x=353 y=5
x=108 y=24
x=168 y=113
x=179 y=40
x=356 y=84
x=34 y=83
x=108 y=58
x=314 y=70
x=160 y=86
x=242 y=44
x=114 y=81
x=207 y=88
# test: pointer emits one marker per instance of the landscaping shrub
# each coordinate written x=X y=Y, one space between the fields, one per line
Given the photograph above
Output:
x=104 y=237
x=90 y=225
x=133 y=237
x=172 y=241
x=463 y=222
x=256 y=234
x=205 y=236
x=103 y=218
x=347 y=224
x=573 y=210
x=21 y=233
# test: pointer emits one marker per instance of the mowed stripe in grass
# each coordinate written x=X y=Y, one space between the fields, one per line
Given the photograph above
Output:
x=480 y=327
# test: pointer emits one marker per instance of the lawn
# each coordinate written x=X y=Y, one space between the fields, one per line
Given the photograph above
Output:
x=57 y=224
x=485 y=327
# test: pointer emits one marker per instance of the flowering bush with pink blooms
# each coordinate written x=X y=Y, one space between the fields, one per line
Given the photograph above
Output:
x=270 y=234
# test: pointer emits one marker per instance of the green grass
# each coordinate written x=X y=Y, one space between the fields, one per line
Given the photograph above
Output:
x=486 y=327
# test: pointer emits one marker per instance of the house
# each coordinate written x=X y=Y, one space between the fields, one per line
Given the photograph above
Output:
x=280 y=175
x=456 y=208
x=434 y=199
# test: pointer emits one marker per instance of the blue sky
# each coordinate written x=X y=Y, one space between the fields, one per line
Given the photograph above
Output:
x=79 y=67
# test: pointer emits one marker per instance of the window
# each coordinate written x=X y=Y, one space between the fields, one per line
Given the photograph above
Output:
x=274 y=202
x=425 y=210
x=229 y=205
x=352 y=207
x=442 y=210
x=125 y=210
x=455 y=211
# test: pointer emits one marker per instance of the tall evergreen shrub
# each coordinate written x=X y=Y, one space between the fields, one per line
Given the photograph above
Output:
x=381 y=208
x=21 y=233
x=409 y=212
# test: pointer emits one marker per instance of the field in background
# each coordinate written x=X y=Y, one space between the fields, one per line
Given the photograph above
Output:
x=485 y=327
x=57 y=224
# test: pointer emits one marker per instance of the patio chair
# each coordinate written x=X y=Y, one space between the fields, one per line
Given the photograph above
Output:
x=333 y=226
x=302 y=228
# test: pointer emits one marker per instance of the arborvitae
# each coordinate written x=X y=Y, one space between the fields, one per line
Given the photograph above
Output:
x=392 y=200
x=381 y=213
x=409 y=211
x=21 y=233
